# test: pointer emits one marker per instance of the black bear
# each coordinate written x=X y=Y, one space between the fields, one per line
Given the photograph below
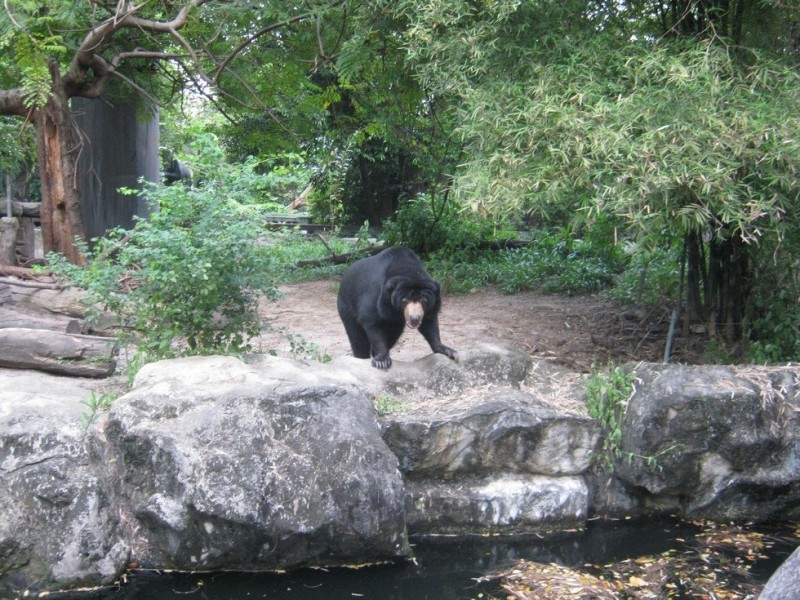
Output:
x=380 y=296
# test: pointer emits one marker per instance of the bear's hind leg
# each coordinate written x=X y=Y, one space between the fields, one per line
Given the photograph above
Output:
x=359 y=342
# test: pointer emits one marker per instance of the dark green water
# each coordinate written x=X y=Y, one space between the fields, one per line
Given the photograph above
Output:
x=444 y=569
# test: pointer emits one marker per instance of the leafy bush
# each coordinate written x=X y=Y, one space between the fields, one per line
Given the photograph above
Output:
x=651 y=276
x=288 y=248
x=188 y=274
x=775 y=332
x=607 y=400
x=428 y=224
x=552 y=262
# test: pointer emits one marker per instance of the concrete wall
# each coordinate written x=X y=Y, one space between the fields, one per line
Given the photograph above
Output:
x=120 y=145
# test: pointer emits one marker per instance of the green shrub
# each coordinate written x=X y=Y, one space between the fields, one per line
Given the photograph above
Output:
x=607 y=400
x=185 y=279
x=651 y=276
x=427 y=225
x=551 y=263
x=607 y=397
x=95 y=405
x=775 y=332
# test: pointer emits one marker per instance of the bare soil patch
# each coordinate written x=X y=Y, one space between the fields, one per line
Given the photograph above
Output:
x=572 y=331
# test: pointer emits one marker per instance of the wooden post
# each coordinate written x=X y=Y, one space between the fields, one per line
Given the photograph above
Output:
x=8 y=241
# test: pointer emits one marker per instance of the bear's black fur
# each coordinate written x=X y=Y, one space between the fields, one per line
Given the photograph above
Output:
x=382 y=294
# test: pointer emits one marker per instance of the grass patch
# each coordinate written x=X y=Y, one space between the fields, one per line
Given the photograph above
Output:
x=389 y=405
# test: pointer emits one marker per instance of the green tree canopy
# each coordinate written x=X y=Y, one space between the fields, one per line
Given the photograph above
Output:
x=679 y=117
x=229 y=51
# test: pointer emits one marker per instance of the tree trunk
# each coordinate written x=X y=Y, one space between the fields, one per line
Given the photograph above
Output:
x=60 y=212
x=718 y=284
x=9 y=226
x=728 y=285
x=695 y=281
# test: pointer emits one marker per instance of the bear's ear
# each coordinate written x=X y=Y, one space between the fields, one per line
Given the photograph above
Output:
x=387 y=293
x=392 y=284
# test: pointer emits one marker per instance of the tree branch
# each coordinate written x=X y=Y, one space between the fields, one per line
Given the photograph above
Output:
x=12 y=102
x=224 y=64
x=137 y=88
x=88 y=59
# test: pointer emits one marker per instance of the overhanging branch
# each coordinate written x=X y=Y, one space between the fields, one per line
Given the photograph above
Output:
x=272 y=27
x=88 y=59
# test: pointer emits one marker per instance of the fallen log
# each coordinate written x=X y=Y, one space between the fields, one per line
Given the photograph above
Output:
x=23 y=273
x=12 y=318
x=340 y=259
x=36 y=296
x=30 y=283
x=56 y=352
x=21 y=209
x=48 y=297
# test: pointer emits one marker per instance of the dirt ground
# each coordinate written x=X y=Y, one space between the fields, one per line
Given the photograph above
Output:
x=573 y=331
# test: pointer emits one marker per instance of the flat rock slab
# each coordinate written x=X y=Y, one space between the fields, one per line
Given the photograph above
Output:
x=510 y=431
x=502 y=503
x=433 y=375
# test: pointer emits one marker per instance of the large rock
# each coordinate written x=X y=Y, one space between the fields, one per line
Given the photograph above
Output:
x=509 y=431
x=509 y=463
x=216 y=463
x=58 y=528
x=220 y=466
x=714 y=442
x=785 y=582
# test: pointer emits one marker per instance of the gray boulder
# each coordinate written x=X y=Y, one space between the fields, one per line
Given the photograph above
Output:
x=785 y=582
x=509 y=463
x=509 y=431
x=495 y=364
x=221 y=466
x=58 y=527
x=714 y=442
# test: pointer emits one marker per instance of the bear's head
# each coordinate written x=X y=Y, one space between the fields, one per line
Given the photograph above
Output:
x=413 y=298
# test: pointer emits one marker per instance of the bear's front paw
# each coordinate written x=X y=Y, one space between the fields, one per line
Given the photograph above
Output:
x=382 y=363
x=448 y=352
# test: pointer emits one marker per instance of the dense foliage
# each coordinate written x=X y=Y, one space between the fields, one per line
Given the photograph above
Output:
x=676 y=120
x=185 y=279
x=653 y=142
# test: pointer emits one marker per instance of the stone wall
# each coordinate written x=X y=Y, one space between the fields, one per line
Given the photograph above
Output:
x=219 y=463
